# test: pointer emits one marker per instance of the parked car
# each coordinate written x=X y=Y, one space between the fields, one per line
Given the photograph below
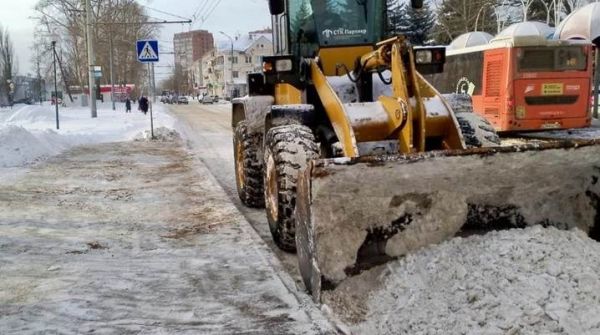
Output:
x=182 y=100
x=207 y=99
x=171 y=99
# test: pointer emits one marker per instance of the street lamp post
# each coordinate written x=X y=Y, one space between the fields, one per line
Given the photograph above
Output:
x=231 y=70
x=91 y=58
x=55 y=83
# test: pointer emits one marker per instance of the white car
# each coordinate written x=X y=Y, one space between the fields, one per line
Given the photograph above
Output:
x=209 y=99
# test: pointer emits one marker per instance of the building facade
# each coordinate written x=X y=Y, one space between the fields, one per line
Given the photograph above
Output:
x=189 y=47
x=225 y=69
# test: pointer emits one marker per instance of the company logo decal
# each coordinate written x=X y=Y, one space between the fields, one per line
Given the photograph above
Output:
x=465 y=86
x=343 y=32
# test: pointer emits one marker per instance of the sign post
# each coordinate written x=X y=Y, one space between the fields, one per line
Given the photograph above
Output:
x=147 y=51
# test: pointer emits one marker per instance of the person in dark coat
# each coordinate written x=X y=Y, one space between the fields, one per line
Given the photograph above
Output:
x=143 y=104
x=127 y=105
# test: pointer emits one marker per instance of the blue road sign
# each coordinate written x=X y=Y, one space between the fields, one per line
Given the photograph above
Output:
x=147 y=51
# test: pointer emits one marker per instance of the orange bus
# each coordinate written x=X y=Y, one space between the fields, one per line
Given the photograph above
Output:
x=523 y=83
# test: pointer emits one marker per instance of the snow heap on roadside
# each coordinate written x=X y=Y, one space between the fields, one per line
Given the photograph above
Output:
x=19 y=146
x=28 y=132
x=532 y=281
x=161 y=134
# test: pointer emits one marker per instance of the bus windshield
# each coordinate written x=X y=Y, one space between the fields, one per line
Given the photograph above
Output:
x=571 y=58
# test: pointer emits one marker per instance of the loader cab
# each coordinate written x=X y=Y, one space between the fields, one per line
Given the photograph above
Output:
x=303 y=27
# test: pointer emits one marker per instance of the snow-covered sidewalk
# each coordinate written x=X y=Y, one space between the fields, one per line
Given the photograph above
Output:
x=137 y=237
x=28 y=132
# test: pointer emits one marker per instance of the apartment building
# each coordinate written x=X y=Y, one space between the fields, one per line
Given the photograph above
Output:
x=224 y=69
x=189 y=47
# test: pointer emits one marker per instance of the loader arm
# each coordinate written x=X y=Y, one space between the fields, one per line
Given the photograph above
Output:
x=335 y=111
x=407 y=119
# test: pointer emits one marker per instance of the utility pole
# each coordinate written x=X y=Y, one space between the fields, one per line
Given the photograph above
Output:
x=112 y=83
x=91 y=58
x=55 y=84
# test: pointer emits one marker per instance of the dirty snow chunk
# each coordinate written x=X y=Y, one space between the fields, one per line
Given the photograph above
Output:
x=161 y=134
x=531 y=281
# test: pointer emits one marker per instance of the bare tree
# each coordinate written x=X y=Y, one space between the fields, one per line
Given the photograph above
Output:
x=118 y=20
x=525 y=5
x=8 y=66
x=550 y=11
x=38 y=50
x=455 y=17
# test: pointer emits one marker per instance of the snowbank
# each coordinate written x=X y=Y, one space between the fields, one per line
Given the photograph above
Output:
x=161 y=134
x=28 y=133
x=532 y=281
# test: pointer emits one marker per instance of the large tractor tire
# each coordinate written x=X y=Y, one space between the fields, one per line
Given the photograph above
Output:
x=248 y=166
x=476 y=130
x=288 y=149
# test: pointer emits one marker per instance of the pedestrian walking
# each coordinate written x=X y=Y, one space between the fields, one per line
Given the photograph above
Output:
x=143 y=104
x=127 y=105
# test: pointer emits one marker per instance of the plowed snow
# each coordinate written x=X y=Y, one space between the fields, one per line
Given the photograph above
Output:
x=532 y=281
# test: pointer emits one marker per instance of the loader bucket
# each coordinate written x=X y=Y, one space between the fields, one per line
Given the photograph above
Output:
x=355 y=213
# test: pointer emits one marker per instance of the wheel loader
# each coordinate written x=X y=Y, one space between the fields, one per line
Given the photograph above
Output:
x=357 y=159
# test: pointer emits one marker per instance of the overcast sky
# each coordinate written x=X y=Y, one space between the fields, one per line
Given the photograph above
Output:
x=231 y=16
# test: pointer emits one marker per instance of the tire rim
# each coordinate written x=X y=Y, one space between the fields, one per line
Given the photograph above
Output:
x=271 y=189
x=239 y=165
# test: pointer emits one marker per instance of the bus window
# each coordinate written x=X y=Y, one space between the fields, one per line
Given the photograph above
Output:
x=571 y=59
x=552 y=59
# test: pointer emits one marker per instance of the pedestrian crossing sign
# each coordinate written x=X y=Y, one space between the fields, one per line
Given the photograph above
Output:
x=147 y=51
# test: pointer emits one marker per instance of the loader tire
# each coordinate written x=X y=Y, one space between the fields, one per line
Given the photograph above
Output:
x=477 y=131
x=460 y=103
x=248 y=166
x=288 y=149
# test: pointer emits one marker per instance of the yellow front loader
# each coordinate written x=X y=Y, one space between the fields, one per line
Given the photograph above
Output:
x=358 y=159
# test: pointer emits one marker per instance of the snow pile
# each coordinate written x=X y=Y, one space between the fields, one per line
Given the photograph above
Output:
x=161 y=134
x=18 y=146
x=532 y=281
x=28 y=133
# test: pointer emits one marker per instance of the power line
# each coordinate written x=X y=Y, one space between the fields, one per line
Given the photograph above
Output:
x=146 y=22
x=166 y=13
x=210 y=12
x=200 y=9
